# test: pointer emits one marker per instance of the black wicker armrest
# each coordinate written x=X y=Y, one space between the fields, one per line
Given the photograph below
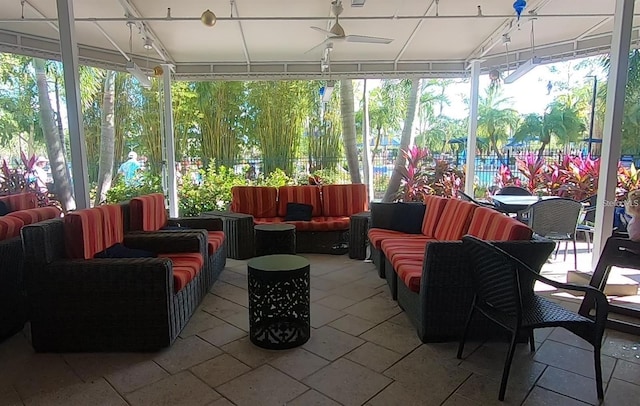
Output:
x=206 y=223
x=168 y=241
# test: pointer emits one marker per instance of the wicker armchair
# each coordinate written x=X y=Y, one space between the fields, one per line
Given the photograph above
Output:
x=504 y=295
x=123 y=304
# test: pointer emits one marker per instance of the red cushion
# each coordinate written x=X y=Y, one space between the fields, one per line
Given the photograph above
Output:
x=376 y=235
x=215 y=240
x=185 y=267
x=410 y=275
x=20 y=201
x=112 y=220
x=432 y=214
x=10 y=227
x=84 y=233
x=258 y=201
x=148 y=213
x=393 y=246
x=344 y=200
x=454 y=221
x=182 y=275
x=267 y=220
x=305 y=194
x=488 y=224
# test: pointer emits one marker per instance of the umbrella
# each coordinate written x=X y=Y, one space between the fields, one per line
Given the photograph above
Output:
x=463 y=141
x=593 y=140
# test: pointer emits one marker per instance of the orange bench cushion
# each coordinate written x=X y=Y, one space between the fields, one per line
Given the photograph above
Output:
x=185 y=265
x=454 y=221
x=344 y=200
x=258 y=201
x=432 y=214
x=10 y=227
x=148 y=212
x=215 y=240
x=305 y=194
x=488 y=224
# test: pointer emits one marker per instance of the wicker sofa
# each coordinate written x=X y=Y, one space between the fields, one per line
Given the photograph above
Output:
x=83 y=303
x=14 y=307
x=147 y=213
x=332 y=207
x=427 y=271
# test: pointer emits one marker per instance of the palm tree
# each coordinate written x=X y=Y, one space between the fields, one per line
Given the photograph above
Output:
x=349 y=129
x=495 y=120
x=107 y=139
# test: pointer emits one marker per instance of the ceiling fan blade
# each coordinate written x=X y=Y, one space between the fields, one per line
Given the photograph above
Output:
x=316 y=47
x=323 y=31
x=368 y=40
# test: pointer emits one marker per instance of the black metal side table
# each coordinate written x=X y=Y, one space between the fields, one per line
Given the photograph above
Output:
x=275 y=238
x=279 y=301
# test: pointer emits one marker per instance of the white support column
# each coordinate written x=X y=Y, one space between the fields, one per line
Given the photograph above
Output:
x=169 y=139
x=473 y=127
x=69 y=51
x=620 y=45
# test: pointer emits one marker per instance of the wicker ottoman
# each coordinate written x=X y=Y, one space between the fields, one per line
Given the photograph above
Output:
x=358 y=241
x=279 y=301
x=275 y=239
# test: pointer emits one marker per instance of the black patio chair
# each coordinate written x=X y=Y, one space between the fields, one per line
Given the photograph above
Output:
x=504 y=294
x=587 y=219
x=514 y=191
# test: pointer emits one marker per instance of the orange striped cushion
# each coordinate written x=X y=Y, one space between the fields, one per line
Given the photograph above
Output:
x=506 y=229
x=189 y=259
x=182 y=275
x=30 y=216
x=148 y=213
x=112 y=223
x=267 y=220
x=305 y=194
x=454 y=221
x=215 y=240
x=481 y=220
x=376 y=235
x=410 y=275
x=20 y=201
x=259 y=201
x=344 y=200
x=435 y=205
x=10 y=227
x=84 y=234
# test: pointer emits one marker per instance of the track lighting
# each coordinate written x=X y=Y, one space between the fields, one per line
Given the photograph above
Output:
x=148 y=43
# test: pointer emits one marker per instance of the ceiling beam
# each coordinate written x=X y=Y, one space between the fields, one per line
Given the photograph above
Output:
x=245 y=49
x=413 y=33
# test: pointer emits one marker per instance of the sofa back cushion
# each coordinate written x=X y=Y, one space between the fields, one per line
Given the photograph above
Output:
x=30 y=216
x=147 y=213
x=112 y=220
x=10 y=227
x=20 y=201
x=305 y=194
x=258 y=201
x=344 y=200
x=454 y=221
x=433 y=211
x=89 y=231
x=488 y=224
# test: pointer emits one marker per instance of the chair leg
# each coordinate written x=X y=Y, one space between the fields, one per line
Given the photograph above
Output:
x=555 y=256
x=575 y=254
x=466 y=329
x=596 y=359
x=507 y=365
x=587 y=237
x=566 y=246
x=532 y=343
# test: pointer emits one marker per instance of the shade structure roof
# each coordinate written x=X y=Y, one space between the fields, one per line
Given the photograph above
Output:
x=270 y=39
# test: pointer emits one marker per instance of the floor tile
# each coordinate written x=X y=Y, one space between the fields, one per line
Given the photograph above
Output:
x=330 y=343
x=374 y=357
x=398 y=338
x=312 y=398
x=318 y=294
x=222 y=334
x=573 y=359
x=627 y=371
x=182 y=389
x=136 y=376
x=400 y=394
x=239 y=320
x=91 y=366
x=566 y=337
x=186 y=353
x=345 y=275
x=324 y=284
x=9 y=397
x=569 y=384
x=355 y=292
x=220 y=307
x=352 y=325
x=621 y=393
x=219 y=370
x=98 y=392
x=376 y=309
x=485 y=390
x=232 y=293
x=221 y=402
x=250 y=354
x=336 y=302
x=200 y=321
x=622 y=346
x=42 y=373
x=265 y=386
x=542 y=397
x=321 y=315
x=401 y=319
x=347 y=382
x=298 y=363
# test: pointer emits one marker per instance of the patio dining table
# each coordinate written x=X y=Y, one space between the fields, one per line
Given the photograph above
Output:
x=513 y=204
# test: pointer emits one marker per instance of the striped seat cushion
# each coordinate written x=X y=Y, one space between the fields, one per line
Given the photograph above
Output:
x=305 y=194
x=376 y=235
x=148 y=212
x=185 y=265
x=20 y=201
x=31 y=216
x=84 y=234
x=488 y=224
x=344 y=200
x=393 y=246
x=454 y=221
x=10 y=227
x=215 y=240
x=258 y=201
x=411 y=275
x=432 y=214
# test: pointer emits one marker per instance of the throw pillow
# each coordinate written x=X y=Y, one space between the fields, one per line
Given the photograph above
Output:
x=407 y=217
x=118 y=250
x=4 y=209
x=298 y=212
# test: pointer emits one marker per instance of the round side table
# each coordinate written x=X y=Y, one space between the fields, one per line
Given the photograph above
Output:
x=279 y=301
x=275 y=239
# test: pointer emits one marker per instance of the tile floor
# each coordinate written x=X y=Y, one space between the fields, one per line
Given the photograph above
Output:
x=362 y=351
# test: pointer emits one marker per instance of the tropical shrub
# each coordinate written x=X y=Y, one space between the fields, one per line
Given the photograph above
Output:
x=145 y=183
x=504 y=177
x=276 y=178
x=22 y=179
x=628 y=180
x=213 y=193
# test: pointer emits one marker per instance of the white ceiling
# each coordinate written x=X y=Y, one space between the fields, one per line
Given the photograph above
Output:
x=268 y=38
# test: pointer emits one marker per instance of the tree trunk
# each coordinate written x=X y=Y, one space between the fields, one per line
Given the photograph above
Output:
x=107 y=138
x=405 y=141
x=367 y=163
x=349 y=129
x=54 y=146
x=59 y=117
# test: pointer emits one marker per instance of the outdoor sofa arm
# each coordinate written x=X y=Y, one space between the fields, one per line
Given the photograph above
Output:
x=206 y=223
x=168 y=241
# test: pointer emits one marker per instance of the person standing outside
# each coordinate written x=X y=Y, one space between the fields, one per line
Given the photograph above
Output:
x=129 y=168
x=41 y=174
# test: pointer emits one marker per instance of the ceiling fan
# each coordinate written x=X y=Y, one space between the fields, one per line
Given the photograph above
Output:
x=336 y=32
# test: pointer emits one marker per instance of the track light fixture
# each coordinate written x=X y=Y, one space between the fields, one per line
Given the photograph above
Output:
x=148 y=43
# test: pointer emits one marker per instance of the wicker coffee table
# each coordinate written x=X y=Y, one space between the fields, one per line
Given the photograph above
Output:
x=275 y=239
x=279 y=301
